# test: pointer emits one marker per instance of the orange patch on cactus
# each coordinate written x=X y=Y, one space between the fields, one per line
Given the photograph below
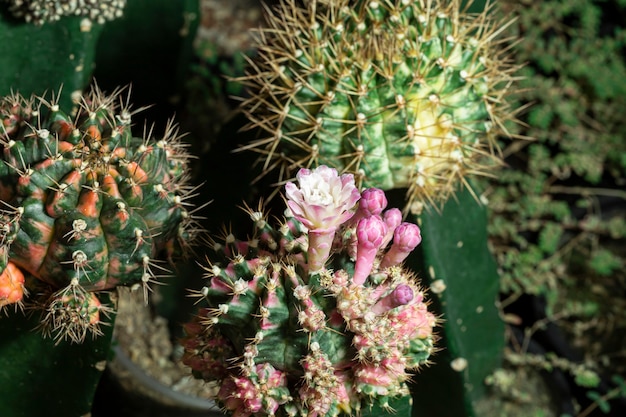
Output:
x=88 y=204
x=11 y=285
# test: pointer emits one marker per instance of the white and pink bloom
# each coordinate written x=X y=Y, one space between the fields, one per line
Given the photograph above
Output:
x=323 y=201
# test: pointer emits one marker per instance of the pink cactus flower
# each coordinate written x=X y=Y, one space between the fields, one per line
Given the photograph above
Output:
x=323 y=201
x=370 y=233
x=406 y=237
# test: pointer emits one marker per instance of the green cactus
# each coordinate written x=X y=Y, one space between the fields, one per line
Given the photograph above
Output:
x=402 y=93
x=88 y=206
x=316 y=317
x=42 y=11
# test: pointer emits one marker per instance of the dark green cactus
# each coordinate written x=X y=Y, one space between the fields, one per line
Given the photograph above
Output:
x=404 y=94
x=465 y=292
x=90 y=205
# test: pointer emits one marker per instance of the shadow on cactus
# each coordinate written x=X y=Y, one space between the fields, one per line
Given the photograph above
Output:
x=317 y=316
x=86 y=207
x=404 y=94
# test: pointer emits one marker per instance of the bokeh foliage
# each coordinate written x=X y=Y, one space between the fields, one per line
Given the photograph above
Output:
x=557 y=219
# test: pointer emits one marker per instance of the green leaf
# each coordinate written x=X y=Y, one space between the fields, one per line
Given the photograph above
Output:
x=603 y=404
x=457 y=264
x=41 y=379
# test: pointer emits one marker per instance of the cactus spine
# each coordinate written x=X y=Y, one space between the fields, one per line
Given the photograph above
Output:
x=285 y=336
x=88 y=206
x=402 y=93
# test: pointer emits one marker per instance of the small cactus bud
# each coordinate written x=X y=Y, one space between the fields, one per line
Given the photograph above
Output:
x=370 y=233
x=373 y=201
x=406 y=237
x=393 y=219
x=401 y=295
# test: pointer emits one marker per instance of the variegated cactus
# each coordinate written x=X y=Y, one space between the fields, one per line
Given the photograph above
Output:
x=87 y=206
x=406 y=94
x=316 y=317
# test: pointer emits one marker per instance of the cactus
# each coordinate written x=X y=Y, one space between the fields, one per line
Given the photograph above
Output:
x=316 y=317
x=88 y=206
x=42 y=11
x=402 y=93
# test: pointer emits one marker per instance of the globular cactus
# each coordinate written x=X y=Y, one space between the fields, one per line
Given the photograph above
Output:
x=406 y=94
x=42 y=11
x=87 y=205
x=315 y=317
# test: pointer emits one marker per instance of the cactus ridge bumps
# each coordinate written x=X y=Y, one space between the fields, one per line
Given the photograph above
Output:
x=402 y=93
x=321 y=320
x=86 y=205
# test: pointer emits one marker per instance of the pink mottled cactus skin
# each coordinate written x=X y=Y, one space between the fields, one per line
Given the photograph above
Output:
x=316 y=342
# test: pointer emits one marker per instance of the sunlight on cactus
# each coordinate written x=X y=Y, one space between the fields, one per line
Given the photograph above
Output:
x=402 y=93
x=86 y=205
x=42 y=11
x=284 y=338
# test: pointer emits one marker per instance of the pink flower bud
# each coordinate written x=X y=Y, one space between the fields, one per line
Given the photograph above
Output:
x=370 y=234
x=406 y=237
x=392 y=218
x=373 y=202
x=401 y=295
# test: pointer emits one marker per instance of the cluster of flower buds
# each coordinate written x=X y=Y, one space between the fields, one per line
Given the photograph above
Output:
x=316 y=317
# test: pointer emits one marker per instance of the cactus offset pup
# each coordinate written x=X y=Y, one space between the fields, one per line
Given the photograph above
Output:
x=315 y=317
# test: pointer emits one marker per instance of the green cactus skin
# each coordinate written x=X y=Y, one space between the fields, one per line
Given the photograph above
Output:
x=42 y=11
x=403 y=93
x=90 y=205
x=283 y=342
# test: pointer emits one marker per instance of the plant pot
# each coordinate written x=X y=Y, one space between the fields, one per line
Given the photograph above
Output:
x=145 y=376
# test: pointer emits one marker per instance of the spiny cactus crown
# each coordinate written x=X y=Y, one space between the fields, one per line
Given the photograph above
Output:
x=315 y=317
x=42 y=11
x=88 y=206
x=402 y=93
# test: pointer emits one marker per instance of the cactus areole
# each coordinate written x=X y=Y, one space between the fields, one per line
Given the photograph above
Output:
x=86 y=206
x=403 y=94
x=285 y=338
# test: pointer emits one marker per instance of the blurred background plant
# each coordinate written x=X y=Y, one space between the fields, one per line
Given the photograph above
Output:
x=557 y=224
